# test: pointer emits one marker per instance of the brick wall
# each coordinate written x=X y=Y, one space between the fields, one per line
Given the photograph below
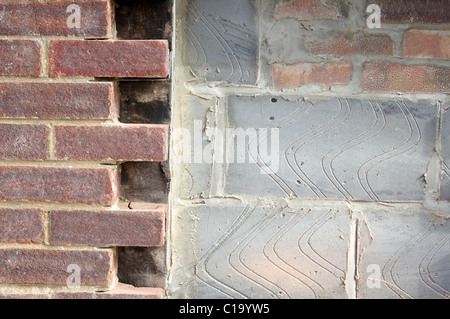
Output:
x=63 y=144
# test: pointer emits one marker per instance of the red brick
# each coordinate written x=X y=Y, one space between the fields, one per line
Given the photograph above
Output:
x=359 y=43
x=427 y=44
x=24 y=142
x=116 y=142
x=107 y=228
x=58 y=184
x=20 y=57
x=32 y=17
x=50 y=267
x=391 y=77
x=297 y=75
x=307 y=10
x=121 y=292
x=415 y=11
x=119 y=59
x=22 y=225
x=58 y=100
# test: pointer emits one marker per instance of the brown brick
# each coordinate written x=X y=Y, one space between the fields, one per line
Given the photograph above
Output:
x=359 y=43
x=58 y=100
x=24 y=142
x=116 y=142
x=297 y=75
x=121 y=292
x=50 y=267
x=58 y=184
x=22 y=225
x=307 y=10
x=20 y=57
x=415 y=11
x=31 y=17
x=393 y=78
x=120 y=59
x=107 y=228
x=427 y=44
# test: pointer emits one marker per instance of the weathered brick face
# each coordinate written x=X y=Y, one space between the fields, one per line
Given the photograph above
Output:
x=62 y=145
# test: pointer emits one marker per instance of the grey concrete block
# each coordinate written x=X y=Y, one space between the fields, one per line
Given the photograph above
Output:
x=403 y=255
x=259 y=252
x=445 y=147
x=335 y=149
x=221 y=40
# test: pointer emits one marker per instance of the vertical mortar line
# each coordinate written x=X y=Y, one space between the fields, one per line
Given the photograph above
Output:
x=52 y=142
x=258 y=70
x=439 y=143
x=434 y=169
x=47 y=228
x=113 y=20
x=168 y=243
x=356 y=275
x=352 y=260
x=44 y=57
x=217 y=181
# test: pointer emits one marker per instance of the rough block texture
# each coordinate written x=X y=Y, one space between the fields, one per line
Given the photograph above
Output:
x=318 y=191
x=22 y=225
x=297 y=75
x=415 y=11
x=120 y=292
x=58 y=184
x=24 y=142
x=259 y=252
x=334 y=149
x=107 y=228
x=20 y=57
x=307 y=10
x=144 y=59
x=31 y=17
x=409 y=250
x=427 y=44
x=58 y=100
x=117 y=142
x=50 y=266
x=220 y=44
x=393 y=77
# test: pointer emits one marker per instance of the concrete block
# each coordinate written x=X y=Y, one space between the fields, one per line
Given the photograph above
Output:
x=259 y=252
x=220 y=40
x=403 y=254
x=334 y=149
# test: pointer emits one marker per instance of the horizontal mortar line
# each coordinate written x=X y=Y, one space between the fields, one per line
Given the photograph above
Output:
x=56 y=247
x=45 y=79
x=359 y=59
x=41 y=289
x=79 y=122
x=230 y=91
x=317 y=203
x=54 y=37
x=61 y=163
x=357 y=28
